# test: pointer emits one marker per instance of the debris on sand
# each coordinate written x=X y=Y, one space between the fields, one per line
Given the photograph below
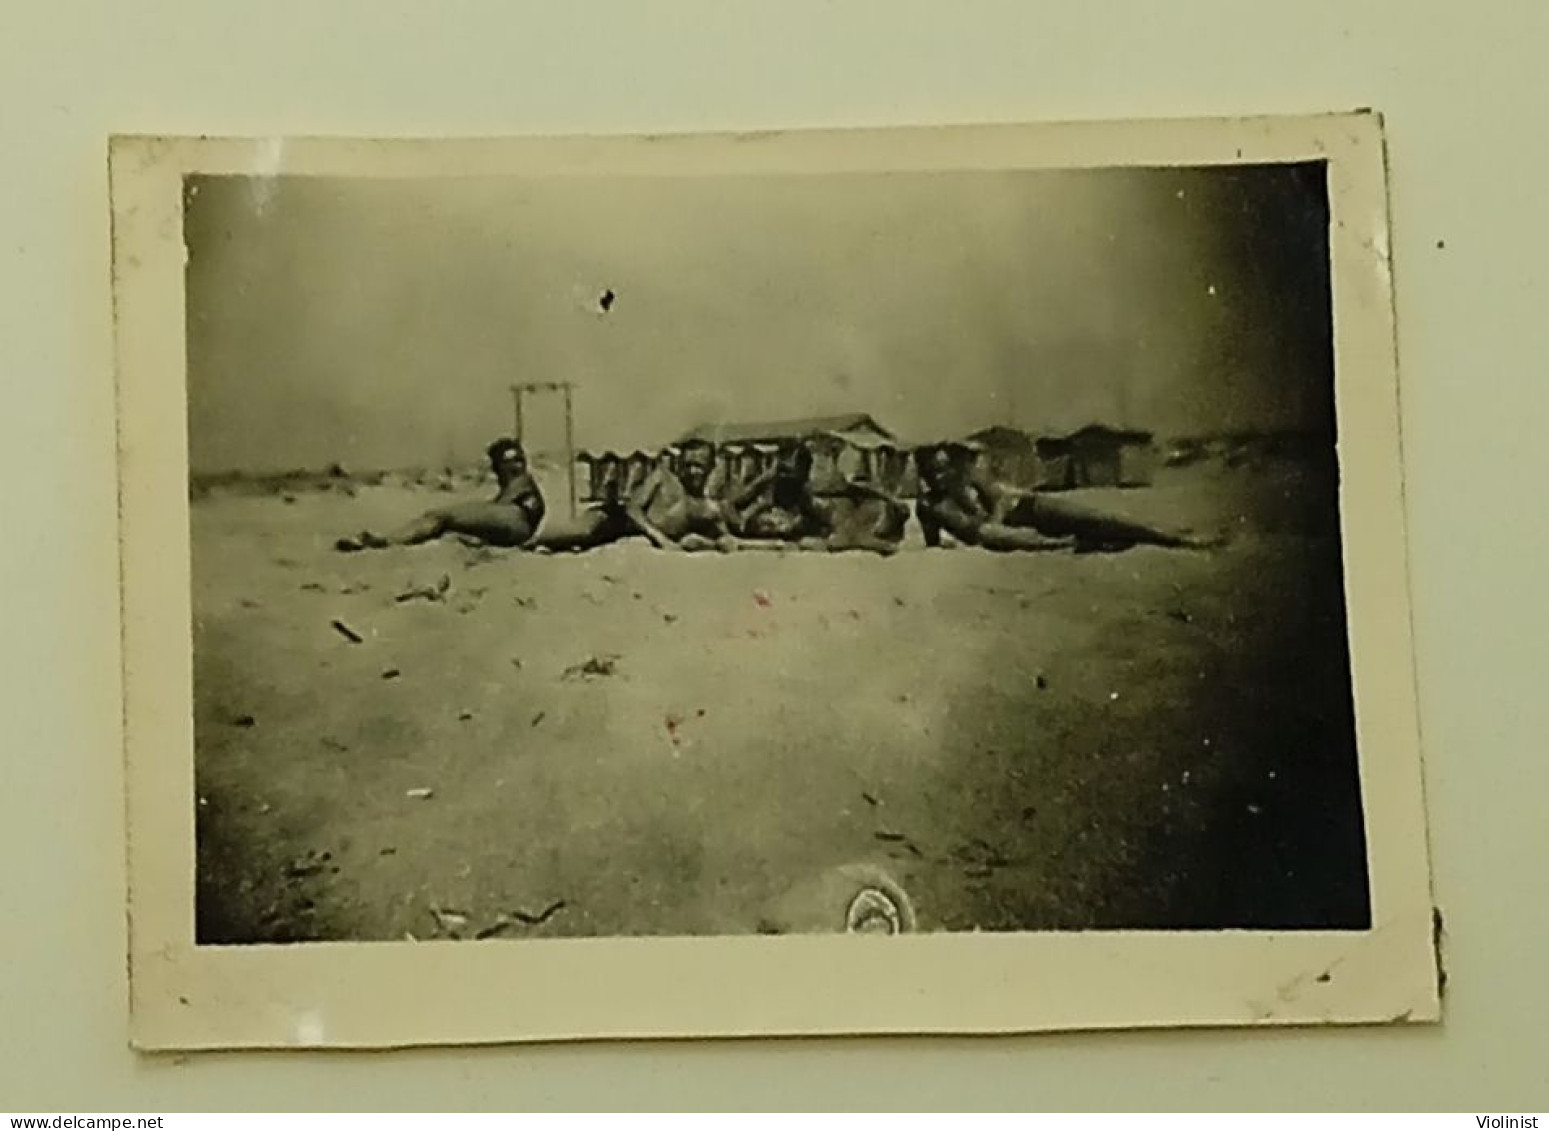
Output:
x=519 y=917
x=422 y=793
x=538 y=718
x=391 y=673
x=901 y=840
x=464 y=716
x=288 y=499
x=499 y=924
x=979 y=857
x=449 y=921
x=435 y=592
x=337 y=471
x=1041 y=682
x=869 y=799
x=347 y=632
x=309 y=863
x=244 y=721
x=541 y=917
x=593 y=667
x=314 y=587
x=334 y=744
x=478 y=554
x=761 y=599
x=252 y=603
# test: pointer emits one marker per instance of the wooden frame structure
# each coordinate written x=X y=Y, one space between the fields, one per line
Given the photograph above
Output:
x=567 y=388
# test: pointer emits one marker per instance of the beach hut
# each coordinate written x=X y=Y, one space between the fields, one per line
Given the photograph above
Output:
x=1008 y=455
x=842 y=446
x=1096 y=456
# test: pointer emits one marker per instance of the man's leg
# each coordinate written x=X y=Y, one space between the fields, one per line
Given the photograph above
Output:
x=498 y=524
x=1061 y=518
x=430 y=525
x=426 y=528
x=595 y=526
x=699 y=544
x=930 y=526
x=868 y=542
x=997 y=536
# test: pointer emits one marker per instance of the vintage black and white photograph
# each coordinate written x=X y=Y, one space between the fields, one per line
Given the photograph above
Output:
x=900 y=551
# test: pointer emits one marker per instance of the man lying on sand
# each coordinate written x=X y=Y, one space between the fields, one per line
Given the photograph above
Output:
x=785 y=511
x=978 y=511
x=510 y=519
x=780 y=506
x=669 y=508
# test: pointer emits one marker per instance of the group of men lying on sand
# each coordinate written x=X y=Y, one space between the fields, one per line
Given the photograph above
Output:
x=778 y=510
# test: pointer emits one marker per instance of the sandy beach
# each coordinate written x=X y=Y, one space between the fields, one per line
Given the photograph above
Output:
x=450 y=740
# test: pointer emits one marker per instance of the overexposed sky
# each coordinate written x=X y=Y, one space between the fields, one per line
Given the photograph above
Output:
x=379 y=323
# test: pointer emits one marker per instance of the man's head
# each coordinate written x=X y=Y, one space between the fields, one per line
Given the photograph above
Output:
x=695 y=463
x=793 y=462
x=610 y=481
x=507 y=459
x=936 y=463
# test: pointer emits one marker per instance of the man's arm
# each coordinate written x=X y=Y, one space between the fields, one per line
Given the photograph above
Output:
x=523 y=492
x=866 y=487
x=950 y=513
x=753 y=489
x=751 y=501
x=635 y=511
x=993 y=501
x=726 y=539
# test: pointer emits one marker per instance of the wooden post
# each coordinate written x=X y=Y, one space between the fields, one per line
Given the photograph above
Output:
x=516 y=395
x=570 y=448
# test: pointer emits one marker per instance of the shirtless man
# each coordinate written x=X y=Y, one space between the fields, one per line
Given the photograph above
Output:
x=784 y=510
x=865 y=517
x=777 y=505
x=510 y=519
x=978 y=511
x=669 y=508
x=672 y=509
